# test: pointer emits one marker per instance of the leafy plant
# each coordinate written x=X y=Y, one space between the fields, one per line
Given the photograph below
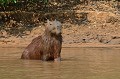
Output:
x=5 y=2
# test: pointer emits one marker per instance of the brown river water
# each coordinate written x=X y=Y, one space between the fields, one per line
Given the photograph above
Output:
x=77 y=63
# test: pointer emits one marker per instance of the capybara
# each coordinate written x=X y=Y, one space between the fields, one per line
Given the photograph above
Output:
x=47 y=46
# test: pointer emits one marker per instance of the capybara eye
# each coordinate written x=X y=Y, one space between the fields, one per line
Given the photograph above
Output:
x=50 y=24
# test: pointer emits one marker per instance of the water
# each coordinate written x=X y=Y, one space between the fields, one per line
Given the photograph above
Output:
x=77 y=63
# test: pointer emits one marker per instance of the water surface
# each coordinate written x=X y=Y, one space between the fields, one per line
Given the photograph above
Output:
x=77 y=63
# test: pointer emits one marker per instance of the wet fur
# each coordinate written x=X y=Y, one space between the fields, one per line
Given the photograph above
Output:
x=45 y=47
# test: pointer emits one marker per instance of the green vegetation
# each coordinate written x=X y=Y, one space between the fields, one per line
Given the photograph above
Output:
x=5 y=2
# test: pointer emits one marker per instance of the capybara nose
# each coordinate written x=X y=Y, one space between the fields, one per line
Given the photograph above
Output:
x=58 y=32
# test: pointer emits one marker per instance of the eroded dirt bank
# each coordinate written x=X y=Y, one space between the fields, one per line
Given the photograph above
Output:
x=90 y=26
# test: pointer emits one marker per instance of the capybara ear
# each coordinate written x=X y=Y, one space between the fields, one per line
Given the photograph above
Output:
x=47 y=24
x=55 y=20
x=48 y=21
x=50 y=25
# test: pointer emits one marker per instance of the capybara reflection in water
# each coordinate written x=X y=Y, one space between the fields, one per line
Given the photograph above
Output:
x=47 y=46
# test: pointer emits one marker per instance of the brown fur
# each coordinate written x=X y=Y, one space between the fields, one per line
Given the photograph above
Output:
x=46 y=47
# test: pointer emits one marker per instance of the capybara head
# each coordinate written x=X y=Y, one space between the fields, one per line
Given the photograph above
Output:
x=54 y=27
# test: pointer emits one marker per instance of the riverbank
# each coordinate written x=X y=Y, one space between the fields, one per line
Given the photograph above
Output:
x=89 y=25
x=74 y=36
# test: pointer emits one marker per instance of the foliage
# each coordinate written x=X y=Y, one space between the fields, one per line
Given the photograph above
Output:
x=5 y=2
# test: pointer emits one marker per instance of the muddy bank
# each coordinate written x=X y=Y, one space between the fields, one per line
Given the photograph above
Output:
x=84 y=25
x=102 y=30
x=73 y=36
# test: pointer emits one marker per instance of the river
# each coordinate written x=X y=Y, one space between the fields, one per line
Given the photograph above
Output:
x=77 y=63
